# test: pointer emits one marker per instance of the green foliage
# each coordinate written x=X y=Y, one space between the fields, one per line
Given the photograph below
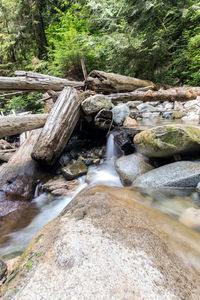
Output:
x=22 y=103
x=156 y=40
x=66 y=38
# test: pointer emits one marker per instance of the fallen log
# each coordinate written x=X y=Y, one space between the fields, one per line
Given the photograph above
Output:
x=172 y=94
x=12 y=125
x=10 y=95
x=112 y=83
x=19 y=177
x=58 y=128
x=36 y=83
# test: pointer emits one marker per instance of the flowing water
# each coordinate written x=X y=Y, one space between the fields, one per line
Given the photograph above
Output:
x=45 y=207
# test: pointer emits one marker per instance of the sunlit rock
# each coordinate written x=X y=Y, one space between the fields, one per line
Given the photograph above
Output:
x=167 y=140
x=108 y=245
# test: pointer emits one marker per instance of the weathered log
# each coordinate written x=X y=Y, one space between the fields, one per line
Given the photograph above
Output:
x=173 y=94
x=109 y=82
x=58 y=128
x=10 y=95
x=12 y=125
x=104 y=119
x=20 y=175
x=36 y=83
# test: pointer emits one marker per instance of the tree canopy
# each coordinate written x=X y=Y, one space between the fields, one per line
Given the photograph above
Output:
x=155 y=40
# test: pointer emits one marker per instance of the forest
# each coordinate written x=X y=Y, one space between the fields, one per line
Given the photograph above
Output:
x=155 y=40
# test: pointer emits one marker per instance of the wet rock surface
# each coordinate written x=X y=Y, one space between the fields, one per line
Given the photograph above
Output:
x=130 y=167
x=108 y=244
x=3 y=270
x=167 y=140
x=123 y=138
x=74 y=170
x=59 y=186
x=191 y=218
x=181 y=174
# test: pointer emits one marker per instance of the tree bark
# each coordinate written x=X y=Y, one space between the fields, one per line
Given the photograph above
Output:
x=36 y=7
x=112 y=83
x=173 y=94
x=58 y=128
x=36 y=84
x=12 y=125
x=19 y=177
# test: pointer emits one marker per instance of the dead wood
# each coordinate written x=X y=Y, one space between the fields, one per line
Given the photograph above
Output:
x=58 y=128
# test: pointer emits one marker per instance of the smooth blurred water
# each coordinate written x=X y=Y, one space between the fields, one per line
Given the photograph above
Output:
x=47 y=207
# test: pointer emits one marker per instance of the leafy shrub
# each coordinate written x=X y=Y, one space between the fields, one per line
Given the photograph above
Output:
x=22 y=103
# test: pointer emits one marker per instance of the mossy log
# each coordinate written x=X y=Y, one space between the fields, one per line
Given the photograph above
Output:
x=100 y=81
x=172 y=94
x=58 y=128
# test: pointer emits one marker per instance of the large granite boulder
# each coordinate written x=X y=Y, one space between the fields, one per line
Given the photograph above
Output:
x=108 y=245
x=129 y=167
x=96 y=103
x=167 y=140
x=184 y=174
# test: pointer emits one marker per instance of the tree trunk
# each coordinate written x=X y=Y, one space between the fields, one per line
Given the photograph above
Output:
x=12 y=125
x=58 y=128
x=19 y=177
x=36 y=7
x=173 y=94
x=36 y=84
x=112 y=83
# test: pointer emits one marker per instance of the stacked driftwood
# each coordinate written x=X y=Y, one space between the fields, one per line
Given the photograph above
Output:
x=44 y=146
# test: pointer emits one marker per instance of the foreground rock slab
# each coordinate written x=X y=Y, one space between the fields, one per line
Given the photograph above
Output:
x=163 y=141
x=181 y=174
x=107 y=245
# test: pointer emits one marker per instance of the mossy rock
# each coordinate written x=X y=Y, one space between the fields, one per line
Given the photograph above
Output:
x=74 y=170
x=165 y=141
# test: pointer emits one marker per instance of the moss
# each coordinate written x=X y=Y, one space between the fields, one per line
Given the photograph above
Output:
x=193 y=132
x=28 y=265
x=150 y=141
x=39 y=254
x=40 y=238
x=172 y=136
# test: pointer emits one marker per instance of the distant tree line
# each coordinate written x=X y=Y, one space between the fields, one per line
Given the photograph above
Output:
x=156 y=40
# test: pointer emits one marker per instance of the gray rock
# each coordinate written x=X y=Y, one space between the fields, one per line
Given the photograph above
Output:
x=168 y=105
x=167 y=140
x=120 y=113
x=95 y=103
x=178 y=114
x=191 y=117
x=133 y=104
x=167 y=115
x=131 y=166
x=153 y=103
x=3 y=270
x=108 y=245
x=181 y=174
x=144 y=107
x=151 y=115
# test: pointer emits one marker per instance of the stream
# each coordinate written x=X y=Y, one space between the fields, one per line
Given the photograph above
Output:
x=45 y=207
